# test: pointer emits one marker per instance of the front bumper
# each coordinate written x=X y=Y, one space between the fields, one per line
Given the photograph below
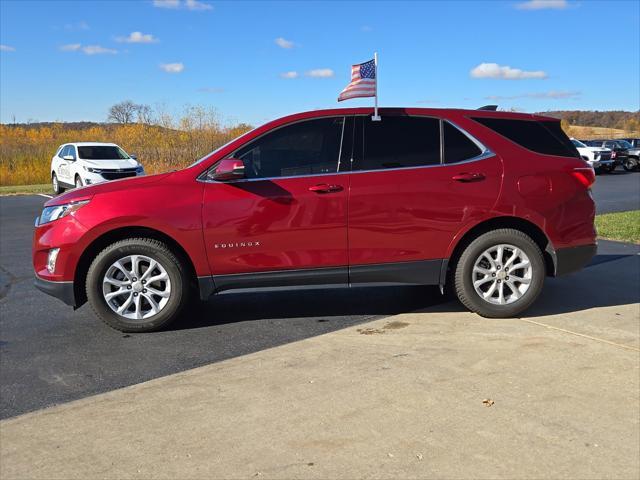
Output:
x=61 y=290
x=571 y=259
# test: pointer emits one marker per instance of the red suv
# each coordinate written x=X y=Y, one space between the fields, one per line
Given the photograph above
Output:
x=488 y=202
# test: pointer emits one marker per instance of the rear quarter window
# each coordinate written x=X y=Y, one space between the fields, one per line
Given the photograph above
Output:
x=544 y=137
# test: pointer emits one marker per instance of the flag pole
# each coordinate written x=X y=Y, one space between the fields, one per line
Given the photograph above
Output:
x=376 y=117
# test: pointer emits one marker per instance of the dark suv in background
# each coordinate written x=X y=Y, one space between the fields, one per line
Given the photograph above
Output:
x=623 y=152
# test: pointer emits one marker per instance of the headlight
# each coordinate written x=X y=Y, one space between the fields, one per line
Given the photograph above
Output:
x=49 y=214
x=92 y=170
x=139 y=169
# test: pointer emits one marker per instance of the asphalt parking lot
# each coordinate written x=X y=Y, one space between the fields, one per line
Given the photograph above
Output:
x=51 y=354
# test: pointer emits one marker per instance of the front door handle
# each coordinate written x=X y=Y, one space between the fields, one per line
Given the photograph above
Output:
x=468 y=177
x=325 y=188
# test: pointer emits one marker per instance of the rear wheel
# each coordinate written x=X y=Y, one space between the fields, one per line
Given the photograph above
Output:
x=57 y=189
x=137 y=285
x=500 y=274
x=630 y=164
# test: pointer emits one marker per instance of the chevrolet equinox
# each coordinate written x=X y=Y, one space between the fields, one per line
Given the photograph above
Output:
x=485 y=202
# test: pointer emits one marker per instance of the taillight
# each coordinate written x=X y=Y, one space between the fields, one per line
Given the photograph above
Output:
x=585 y=175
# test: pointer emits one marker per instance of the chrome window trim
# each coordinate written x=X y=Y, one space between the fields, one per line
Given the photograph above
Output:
x=486 y=153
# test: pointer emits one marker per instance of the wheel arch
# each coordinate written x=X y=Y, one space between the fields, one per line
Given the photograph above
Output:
x=111 y=236
x=525 y=226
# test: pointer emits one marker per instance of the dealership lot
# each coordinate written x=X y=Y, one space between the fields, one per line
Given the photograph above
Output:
x=395 y=381
x=53 y=355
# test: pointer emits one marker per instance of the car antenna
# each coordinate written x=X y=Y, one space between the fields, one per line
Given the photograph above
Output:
x=491 y=108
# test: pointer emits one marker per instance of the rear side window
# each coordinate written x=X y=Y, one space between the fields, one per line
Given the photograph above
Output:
x=544 y=137
x=457 y=146
x=399 y=142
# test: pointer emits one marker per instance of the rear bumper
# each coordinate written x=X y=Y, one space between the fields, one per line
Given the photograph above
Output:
x=572 y=259
x=61 y=290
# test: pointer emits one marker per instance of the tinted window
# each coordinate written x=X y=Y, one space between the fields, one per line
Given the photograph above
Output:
x=544 y=137
x=400 y=142
x=457 y=146
x=102 y=152
x=305 y=148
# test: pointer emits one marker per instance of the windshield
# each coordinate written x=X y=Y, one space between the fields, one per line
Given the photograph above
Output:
x=624 y=144
x=219 y=148
x=102 y=152
x=578 y=143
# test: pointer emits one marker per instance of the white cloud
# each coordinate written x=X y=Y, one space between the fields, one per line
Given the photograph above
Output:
x=172 y=67
x=543 y=5
x=282 y=43
x=552 y=94
x=193 y=5
x=98 y=50
x=6 y=48
x=166 y=3
x=493 y=70
x=72 y=47
x=196 y=5
x=289 y=75
x=320 y=73
x=138 y=37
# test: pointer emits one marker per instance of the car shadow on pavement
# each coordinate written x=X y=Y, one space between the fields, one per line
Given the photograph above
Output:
x=320 y=304
x=595 y=286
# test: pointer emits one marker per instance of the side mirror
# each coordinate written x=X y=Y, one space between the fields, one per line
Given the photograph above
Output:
x=133 y=156
x=69 y=158
x=228 y=169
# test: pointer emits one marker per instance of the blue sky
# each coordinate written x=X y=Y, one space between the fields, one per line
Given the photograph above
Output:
x=71 y=60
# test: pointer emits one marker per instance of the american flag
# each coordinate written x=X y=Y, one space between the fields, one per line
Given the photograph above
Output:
x=363 y=81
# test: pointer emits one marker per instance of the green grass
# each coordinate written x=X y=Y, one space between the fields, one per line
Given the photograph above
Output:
x=26 y=189
x=624 y=226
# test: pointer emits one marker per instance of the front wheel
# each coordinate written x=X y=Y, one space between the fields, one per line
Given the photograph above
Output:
x=500 y=274
x=57 y=189
x=137 y=285
x=78 y=181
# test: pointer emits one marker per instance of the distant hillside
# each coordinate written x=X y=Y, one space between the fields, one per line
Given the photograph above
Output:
x=618 y=119
x=66 y=125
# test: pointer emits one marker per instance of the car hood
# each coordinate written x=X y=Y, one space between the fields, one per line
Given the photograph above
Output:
x=111 y=164
x=85 y=193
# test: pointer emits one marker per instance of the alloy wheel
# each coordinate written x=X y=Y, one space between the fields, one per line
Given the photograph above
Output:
x=502 y=274
x=136 y=287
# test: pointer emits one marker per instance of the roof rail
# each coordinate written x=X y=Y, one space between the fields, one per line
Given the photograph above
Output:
x=491 y=108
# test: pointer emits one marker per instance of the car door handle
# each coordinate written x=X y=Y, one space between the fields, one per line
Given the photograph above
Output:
x=468 y=177
x=325 y=188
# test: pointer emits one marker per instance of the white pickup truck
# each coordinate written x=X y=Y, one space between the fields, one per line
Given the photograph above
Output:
x=599 y=158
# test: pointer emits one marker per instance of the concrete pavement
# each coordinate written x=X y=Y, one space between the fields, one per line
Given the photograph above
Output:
x=399 y=397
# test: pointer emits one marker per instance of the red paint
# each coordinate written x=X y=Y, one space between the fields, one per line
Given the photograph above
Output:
x=334 y=219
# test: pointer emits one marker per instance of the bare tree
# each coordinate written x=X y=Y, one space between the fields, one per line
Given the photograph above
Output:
x=144 y=114
x=123 y=112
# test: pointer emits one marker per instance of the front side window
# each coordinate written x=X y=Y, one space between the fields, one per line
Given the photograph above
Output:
x=458 y=146
x=399 y=142
x=544 y=137
x=102 y=152
x=306 y=148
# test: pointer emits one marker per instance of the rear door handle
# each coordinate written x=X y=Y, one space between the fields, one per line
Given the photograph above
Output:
x=325 y=188
x=468 y=177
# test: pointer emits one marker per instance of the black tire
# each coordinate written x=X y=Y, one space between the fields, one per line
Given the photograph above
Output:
x=630 y=164
x=463 y=277
x=78 y=181
x=55 y=184
x=156 y=250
